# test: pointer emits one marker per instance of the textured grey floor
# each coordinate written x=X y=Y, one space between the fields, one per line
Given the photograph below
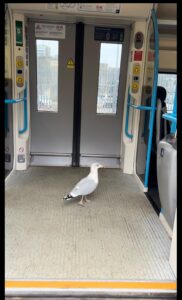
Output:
x=117 y=236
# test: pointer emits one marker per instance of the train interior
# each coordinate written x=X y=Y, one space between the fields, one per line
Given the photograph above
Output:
x=90 y=83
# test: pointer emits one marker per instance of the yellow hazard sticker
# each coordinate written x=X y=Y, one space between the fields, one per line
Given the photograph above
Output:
x=70 y=63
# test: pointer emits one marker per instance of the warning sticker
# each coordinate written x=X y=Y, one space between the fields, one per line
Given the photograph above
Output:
x=138 y=55
x=70 y=64
x=44 y=30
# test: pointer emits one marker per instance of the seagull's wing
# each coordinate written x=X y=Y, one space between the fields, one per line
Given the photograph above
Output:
x=84 y=187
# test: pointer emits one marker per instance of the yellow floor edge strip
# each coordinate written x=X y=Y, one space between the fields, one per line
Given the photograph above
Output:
x=91 y=285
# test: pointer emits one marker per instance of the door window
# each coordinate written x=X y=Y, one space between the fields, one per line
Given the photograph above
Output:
x=168 y=81
x=47 y=75
x=109 y=71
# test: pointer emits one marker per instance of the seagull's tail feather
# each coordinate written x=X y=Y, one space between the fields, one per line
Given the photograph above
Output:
x=68 y=197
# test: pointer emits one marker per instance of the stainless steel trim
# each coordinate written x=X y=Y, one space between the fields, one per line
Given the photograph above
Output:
x=100 y=155
x=49 y=154
x=99 y=293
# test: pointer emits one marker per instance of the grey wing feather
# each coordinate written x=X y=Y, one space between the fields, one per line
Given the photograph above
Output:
x=84 y=187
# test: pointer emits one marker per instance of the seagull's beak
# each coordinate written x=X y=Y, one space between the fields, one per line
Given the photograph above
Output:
x=101 y=166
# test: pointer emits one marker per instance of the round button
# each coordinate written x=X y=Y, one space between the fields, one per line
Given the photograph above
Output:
x=19 y=63
x=19 y=79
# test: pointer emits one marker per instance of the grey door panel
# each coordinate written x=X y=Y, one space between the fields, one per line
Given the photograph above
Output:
x=100 y=134
x=51 y=133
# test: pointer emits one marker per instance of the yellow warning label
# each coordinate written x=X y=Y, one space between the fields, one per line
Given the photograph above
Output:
x=70 y=64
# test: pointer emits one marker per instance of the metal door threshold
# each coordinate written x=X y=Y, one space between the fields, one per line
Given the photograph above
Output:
x=127 y=289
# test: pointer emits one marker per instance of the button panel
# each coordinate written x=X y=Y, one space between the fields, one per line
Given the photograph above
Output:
x=19 y=71
x=135 y=78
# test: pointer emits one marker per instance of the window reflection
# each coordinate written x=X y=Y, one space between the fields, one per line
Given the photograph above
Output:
x=168 y=81
x=47 y=75
x=109 y=71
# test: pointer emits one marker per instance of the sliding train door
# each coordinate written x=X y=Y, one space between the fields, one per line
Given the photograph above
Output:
x=101 y=96
x=52 y=53
x=103 y=87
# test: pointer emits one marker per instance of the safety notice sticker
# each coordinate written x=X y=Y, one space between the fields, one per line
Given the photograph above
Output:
x=56 y=31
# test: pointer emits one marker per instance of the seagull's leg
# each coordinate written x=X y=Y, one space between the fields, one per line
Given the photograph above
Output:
x=81 y=202
x=86 y=200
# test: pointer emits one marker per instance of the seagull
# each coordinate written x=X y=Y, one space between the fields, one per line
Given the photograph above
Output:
x=86 y=185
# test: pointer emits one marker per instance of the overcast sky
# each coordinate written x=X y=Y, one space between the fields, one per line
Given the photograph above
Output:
x=111 y=54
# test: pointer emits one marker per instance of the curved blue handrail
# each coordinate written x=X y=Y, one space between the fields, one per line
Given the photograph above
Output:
x=24 y=100
x=25 y=127
x=129 y=135
x=141 y=107
x=154 y=94
x=170 y=117
x=12 y=101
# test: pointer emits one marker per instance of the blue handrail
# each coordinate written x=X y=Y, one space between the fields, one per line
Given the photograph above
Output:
x=12 y=101
x=24 y=100
x=129 y=135
x=25 y=112
x=170 y=117
x=154 y=94
x=141 y=107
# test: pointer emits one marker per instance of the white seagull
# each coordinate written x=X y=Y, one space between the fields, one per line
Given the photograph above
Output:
x=86 y=185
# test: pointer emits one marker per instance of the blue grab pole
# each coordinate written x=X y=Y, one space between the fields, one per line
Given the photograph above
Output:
x=169 y=117
x=129 y=135
x=141 y=107
x=25 y=112
x=12 y=101
x=24 y=100
x=154 y=94
x=174 y=114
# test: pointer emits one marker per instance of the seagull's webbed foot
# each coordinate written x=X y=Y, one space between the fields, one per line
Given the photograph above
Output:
x=87 y=200
x=81 y=202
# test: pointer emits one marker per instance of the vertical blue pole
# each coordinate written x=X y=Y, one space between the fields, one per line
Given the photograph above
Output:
x=129 y=135
x=154 y=94
x=25 y=112
x=173 y=124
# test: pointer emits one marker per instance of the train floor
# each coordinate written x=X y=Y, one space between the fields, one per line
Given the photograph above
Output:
x=117 y=236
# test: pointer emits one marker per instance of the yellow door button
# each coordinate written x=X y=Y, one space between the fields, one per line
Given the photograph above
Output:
x=135 y=87
x=136 y=70
x=19 y=63
x=19 y=79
